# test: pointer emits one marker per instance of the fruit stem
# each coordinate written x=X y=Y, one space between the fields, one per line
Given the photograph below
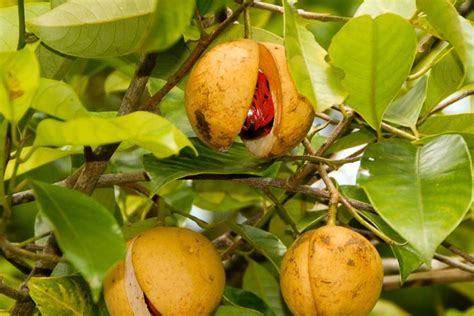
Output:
x=247 y=24
x=334 y=196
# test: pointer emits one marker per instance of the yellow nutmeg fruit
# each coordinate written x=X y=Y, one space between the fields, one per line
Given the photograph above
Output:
x=167 y=271
x=244 y=88
x=331 y=270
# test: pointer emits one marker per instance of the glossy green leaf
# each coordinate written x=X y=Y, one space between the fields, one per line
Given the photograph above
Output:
x=404 y=8
x=406 y=109
x=258 y=280
x=144 y=129
x=19 y=77
x=313 y=76
x=258 y=34
x=61 y=295
x=382 y=51
x=117 y=81
x=58 y=99
x=167 y=24
x=422 y=192
x=242 y=298
x=9 y=23
x=445 y=77
x=266 y=243
x=94 y=28
x=449 y=124
x=35 y=157
x=226 y=310
x=132 y=230
x=236 y=160
x=458 y=31
x=357 y=138
x=311 y=220
x=86 y=232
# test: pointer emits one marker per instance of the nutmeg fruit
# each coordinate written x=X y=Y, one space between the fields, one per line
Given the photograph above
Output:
x=331 y=270
x=167 y=271
x=244 y=88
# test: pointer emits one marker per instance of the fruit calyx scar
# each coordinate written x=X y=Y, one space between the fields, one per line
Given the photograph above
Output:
x=259 y=121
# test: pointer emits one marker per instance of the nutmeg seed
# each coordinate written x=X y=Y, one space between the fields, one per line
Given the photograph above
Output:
x=331 y=271
x=221 y=90
x=167 y=271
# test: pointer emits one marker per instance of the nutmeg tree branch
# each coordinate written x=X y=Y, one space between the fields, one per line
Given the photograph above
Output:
x=427 y=278
x=469 y=258
x=323 y=17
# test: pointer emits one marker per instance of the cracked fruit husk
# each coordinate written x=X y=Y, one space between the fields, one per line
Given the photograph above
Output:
x=331 y=270
x=244 y=88
x=167 y=271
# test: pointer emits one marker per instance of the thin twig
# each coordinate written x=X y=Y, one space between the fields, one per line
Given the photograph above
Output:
x=282 y=211
x=323 y=17
x=334 y=163
x=399 y=132
x=11 y=292
x=451 y=100
x=458 y=252
x=454 y=263
x=428 y=278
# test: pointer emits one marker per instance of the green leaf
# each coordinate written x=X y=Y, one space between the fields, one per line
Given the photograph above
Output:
x=313 y=76
x=58 y=99
x=167 y=24
x=449 y=124
x=224 y=196
x=422 y=192
x=404 y=8
x=144 y=129
x=19 y=76
x=94 y=28
x=262 y=283
x=445 y=77
x=310 y=220
x=4 y=127
x=132 y=230
x=9 y=23
x=458 y=31
x=235 y=311
x=266 y=243
x=385 y=307
x=357 y=138
x=382 y=51
x=239 y=297
x=87 y=233
x=236 y=160
x=235 y=31
x=61 y=295
x=53 y=64
x=406 y=109
x=407 y=258
x=35 y=157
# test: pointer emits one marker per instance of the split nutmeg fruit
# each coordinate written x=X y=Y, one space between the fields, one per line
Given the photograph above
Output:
x=244 y=88
x=331 y=270
x=167 y=271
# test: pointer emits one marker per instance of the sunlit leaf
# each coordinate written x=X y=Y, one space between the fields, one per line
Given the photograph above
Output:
x=86 y=232
x=313 y=76
x=406 y=109
x=36 y=157
x=58 y=99
x=144 y=129
x=455 y=29
x=445 y=77
x=9 y=29
x=422 y=192
x=19 y=77
x=382 y=51
x=94 y=28
x=61 y=295
x=404 y=8
x=167 y=23
x=53 y=64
